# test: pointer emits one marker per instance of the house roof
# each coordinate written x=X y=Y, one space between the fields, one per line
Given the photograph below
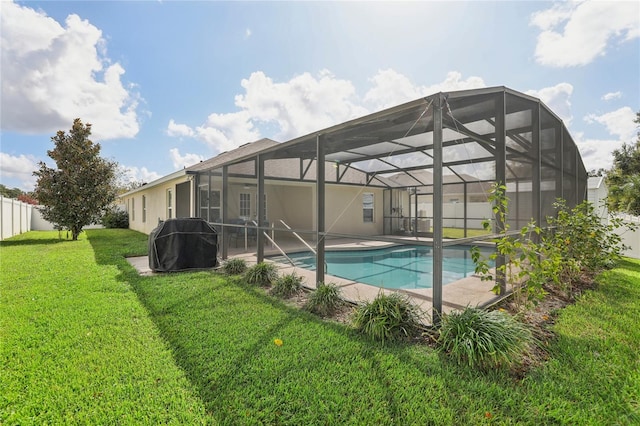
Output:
x=595 y=182
x=282 y=168
x=401 y=139
x=243 y=151
x=159 y=181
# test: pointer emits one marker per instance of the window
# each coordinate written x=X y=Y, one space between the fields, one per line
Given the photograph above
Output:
x=245 y=205
x=367 y=207
x=144 y=208
x=169 y=203
x=133 y=209
x=209 y=203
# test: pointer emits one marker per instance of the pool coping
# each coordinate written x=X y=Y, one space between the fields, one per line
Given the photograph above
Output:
x=456 y=295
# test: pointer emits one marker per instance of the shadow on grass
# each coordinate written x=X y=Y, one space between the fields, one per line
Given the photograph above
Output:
x=183 y=309
x=13 y=242
x=630 y=265
x=221 y=332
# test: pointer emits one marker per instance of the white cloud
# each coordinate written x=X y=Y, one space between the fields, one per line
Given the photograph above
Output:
x=611 y=95
x=557 y=98
x=226 y=131
x=182 y=161
x=247 y=33
x=618 y=123
x=392 y=88
x=136 y=174
x=596 y=153
x=52 y=74
x=303 y=104
x=306 y=103
x=21 y=168
x=576 y=33
x=175 y=129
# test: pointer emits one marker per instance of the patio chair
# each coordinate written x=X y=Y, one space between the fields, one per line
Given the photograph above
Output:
x=234 y=233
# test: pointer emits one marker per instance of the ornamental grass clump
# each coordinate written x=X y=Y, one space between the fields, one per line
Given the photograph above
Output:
x=483 y=339
x=388 y=317
x=234 y=266
x=262 y=274
x=325 y=300
x=287 y=286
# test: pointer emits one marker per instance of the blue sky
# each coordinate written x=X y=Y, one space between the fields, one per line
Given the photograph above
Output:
x=167 y=84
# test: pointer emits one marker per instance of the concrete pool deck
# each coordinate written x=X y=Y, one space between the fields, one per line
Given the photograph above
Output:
x=469 y=291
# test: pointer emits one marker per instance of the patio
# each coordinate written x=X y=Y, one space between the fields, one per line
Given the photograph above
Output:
x=469 y=291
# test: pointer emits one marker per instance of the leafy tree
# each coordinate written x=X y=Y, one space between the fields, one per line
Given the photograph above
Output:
x=623 y=179
x=76 y=193
x=26 y=198
x=124 y=185
x=10 y=193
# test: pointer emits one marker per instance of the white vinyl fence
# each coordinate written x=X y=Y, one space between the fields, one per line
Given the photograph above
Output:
x=629 y=238
x=15 y=217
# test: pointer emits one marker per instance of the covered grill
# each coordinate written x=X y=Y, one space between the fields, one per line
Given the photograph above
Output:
x=182 y=244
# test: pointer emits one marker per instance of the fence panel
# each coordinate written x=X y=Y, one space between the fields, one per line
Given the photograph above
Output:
x=15 y=217
x=629 y=238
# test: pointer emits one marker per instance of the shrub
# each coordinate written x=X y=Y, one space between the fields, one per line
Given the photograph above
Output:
x=388 y=317
x=583 y=239
x=115 y=218
x=263 y=274
x=518 y=257
x=234 y=266
x=287 y=285
x=484 y=339
x=325 y=300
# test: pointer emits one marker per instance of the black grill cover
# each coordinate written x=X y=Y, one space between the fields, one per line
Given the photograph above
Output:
x=181 y=244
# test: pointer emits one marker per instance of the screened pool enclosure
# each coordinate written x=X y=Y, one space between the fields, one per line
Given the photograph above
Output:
x=421 y=171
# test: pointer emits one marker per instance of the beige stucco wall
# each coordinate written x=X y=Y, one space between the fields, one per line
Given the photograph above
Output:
x=156 y=205
x=293 y=202
x=343 y=212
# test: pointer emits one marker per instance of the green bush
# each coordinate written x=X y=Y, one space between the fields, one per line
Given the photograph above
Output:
x=388 y=317
x=263 y=274
x=234 y=266
x=583 y=239
x=325 y=300
x=115 y=218
x=517 y=258
x=483 y=339
x=287 y=285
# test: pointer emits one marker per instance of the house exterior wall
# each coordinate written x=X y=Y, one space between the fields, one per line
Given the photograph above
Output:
x=295 y=203
x=344 y=210
x=291 y=203
x=156 y=205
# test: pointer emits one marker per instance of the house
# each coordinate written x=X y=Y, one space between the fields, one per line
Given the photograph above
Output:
x=197 y=191
x=414 y=168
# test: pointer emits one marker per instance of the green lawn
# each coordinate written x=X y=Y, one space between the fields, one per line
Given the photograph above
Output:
x=87 y=341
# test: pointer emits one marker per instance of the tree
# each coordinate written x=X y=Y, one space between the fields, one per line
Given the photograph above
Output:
x=82 y=186
x=26 y=198
x=10 y=193
x=623 y=179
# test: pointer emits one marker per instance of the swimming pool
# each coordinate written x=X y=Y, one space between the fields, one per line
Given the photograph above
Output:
x=398 y=267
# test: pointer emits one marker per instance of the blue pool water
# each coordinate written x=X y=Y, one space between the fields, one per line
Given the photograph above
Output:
x=399 y=267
